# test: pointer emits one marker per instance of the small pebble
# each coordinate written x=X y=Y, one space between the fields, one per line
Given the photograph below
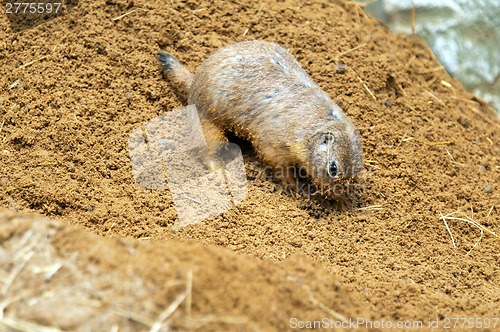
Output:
x=488 y=188
x=340 y=69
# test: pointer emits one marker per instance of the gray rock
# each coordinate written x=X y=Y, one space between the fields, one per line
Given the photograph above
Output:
x=463 y=34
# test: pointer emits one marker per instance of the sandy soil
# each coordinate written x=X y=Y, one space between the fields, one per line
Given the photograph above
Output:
x=430 y=147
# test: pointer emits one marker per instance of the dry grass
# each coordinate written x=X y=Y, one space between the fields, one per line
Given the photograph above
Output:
x=468 y=220
x=128 y=13
x=453 y=159
x=369 y=208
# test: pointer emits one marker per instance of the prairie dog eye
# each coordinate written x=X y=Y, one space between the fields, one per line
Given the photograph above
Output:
x=332 y=169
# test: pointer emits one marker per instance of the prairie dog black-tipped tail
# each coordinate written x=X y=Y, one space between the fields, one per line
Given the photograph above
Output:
x=176 y=72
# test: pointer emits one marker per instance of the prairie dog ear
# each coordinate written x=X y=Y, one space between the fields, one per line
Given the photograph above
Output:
x=335 y=112
x=330 y=137
x=326 y=138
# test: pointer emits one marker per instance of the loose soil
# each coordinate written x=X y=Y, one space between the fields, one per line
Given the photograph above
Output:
x=76 y=86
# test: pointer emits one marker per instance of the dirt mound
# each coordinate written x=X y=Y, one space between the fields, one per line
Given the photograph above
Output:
x=430 y=147
x=70 y=279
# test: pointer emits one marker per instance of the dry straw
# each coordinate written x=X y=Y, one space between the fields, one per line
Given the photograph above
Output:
x=469 y=220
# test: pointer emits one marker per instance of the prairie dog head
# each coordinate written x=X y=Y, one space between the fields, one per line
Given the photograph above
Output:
x=335 y=153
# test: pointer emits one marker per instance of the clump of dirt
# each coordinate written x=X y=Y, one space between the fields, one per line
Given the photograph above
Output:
x=430 y=147
x=73 y=280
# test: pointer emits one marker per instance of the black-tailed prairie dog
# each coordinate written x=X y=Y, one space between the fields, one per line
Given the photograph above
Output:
x=258 y=91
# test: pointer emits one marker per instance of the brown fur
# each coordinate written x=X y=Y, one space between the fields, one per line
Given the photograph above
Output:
x=258 y=91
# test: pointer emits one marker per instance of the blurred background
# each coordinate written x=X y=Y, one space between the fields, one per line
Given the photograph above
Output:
x=463 y=34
